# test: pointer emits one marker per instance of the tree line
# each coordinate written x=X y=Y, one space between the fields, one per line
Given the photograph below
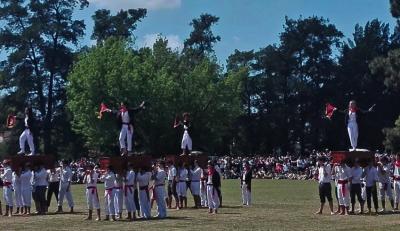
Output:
x=266 y=100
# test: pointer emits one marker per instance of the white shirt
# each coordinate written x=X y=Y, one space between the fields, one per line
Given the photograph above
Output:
x=16 y=181
x=143 y=179
x=125 y=117
x=26 y=180
x=130 y=178
x=160 y=177
x=352 y=117
x=324 y=173
x=384 y=178
x=109 y=179
x=91 y=179
x=183 y=174
x=356 y=174
x=40 y=178
x=371 y=176
x=54 y=176
x=171 y=173
x=342 y=173
x=66 y=175
x=196 y=174
x=7 y=175
x=26 y=121
x=396 y=171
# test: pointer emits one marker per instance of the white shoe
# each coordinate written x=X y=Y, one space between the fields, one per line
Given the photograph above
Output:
x=31 y=154
x=20 y=152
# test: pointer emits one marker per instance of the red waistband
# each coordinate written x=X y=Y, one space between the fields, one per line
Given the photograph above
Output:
x=343 y=181
x=5 y=183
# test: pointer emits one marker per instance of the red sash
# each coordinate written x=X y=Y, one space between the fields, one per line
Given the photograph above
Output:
x=396 y=178
x=343 y=183
x=126 y=189
x=93 y=190
x=7 y=184
x=397 y=164
x=109 y=191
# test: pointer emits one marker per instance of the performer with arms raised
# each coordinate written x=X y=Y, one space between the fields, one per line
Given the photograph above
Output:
x=186 y=140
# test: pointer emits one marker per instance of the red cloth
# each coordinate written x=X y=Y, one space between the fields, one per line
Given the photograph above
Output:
x=343 y=183
x=329 y=109
x=397 y=163
x=11 y=120
x=123 y=109
x=128 y=187
x=103 y=108
x=353 y=109
x=211 y=171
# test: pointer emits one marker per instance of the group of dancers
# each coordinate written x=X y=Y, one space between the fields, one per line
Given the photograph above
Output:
x=134 y=190
x=356 y=181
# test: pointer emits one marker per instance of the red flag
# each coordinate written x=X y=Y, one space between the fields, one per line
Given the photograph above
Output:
x=11 y=120
x=103 y=108
x=329 y=109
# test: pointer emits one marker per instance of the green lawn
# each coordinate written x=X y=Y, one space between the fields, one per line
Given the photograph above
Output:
x=277 y=205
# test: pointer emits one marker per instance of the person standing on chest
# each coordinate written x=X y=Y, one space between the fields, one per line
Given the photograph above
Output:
x=186 y=144
x=125 y=117
x=246 y=184
x=352 y=120
x=27 y=133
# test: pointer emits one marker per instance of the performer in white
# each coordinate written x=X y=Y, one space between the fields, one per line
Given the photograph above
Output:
x=186 y=144
x=351 y=120
x=213 y=183
x=129 y=193
x=109 y=181
x=17 y=190
x=65 y=187
x=396 y=181
x=159 y=190
x=27 y=133
x=6 y=176
x=385 y=185
x=181 y=187
x=125 y=117
x=371 y=177
x=26 y=188
x=143 y=178
x=195 y=184
x=118 y=195
x=92 y=196
x=203 y=188
x=343 y=175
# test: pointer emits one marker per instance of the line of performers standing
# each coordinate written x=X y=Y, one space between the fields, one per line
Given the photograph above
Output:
x=361 y=183
x=136 y=190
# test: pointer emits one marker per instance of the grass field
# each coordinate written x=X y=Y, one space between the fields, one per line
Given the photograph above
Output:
x=277 y=205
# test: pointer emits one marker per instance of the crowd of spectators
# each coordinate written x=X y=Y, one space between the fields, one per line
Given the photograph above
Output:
x=289 y=166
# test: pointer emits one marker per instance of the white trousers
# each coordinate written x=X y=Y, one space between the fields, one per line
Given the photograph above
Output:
x=181 y=189
x=385 y=190
x=26 y=197
x=18 y=197
x=343 y=192
x=8 y=195
x=352 y=129
x=64 y=193
x=186 y=141
x=129 y=200
x=246 y=195
x=212 y=197
x=397 y=190
x=203 y=194
x=118 y=200
x=160 y=199
x=92 y=199
x=26 y=136
x=195 y=188
x=109 y=202
x=125 y=137
x=144 y=202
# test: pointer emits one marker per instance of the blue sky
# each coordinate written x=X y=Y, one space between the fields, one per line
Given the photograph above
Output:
x=244 y=24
